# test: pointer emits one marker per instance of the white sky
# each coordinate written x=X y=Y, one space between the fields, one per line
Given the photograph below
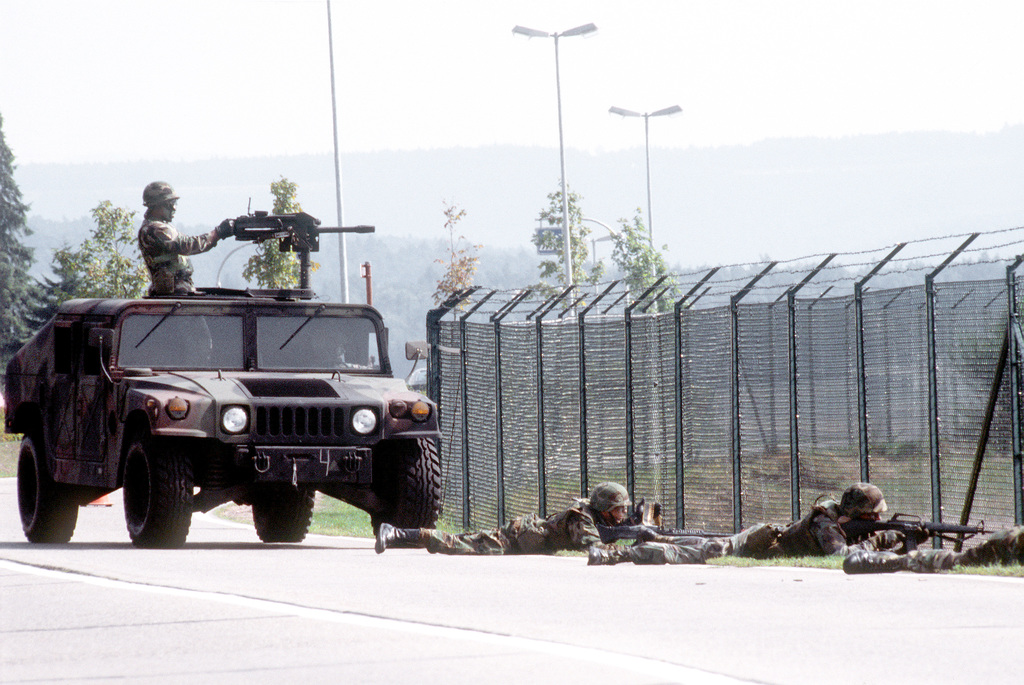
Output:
x=118 y=80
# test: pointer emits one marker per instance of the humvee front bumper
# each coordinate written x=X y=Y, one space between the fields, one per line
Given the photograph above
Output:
x=309 y=465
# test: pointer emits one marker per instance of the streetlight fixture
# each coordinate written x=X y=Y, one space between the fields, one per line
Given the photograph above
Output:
x=534 y=33
x=668 y=111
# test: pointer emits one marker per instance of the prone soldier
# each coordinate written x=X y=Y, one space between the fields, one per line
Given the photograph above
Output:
x=572 y=529
x=819 y=533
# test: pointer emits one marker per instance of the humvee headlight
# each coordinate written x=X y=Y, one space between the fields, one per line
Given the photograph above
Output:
x=420 y=411
x=364 y=421
x=234 y=419
x=177 y=408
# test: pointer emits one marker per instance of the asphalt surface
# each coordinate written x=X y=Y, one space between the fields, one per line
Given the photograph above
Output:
x=229 y=609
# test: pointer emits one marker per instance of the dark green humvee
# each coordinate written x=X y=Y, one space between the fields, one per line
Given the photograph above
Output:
x=187 y=403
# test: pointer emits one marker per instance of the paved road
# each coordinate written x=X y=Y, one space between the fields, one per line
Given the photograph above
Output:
x=229 y=609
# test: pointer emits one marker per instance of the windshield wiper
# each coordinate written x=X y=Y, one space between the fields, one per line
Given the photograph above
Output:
x=302 y=325
x=176 y=307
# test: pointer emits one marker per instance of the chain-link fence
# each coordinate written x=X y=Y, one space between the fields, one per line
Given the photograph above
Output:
x=742 y=401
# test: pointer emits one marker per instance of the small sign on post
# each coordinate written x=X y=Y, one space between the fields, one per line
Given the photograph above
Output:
x=549 y=236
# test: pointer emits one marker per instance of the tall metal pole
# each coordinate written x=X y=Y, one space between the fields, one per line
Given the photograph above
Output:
x=566 y=238
x=647 y=153
x=342 y=245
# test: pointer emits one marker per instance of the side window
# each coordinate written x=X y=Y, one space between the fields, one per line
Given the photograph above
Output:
x=63 y=349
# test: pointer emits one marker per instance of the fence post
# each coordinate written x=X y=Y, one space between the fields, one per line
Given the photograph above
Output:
x=499 y=427
x=862 y=379
x=434 y=317
x=540 y=312
x=794 y=416
x=466 y=524
x=734 y=308
x=678 y=414
x=933 y=385
x=581 y=327
x=1015 y=340
x=630 y=444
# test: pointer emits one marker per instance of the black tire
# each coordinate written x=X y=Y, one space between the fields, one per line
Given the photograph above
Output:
x=48 y=510
x=412 y=486
x=283 y=514
x=158 y=487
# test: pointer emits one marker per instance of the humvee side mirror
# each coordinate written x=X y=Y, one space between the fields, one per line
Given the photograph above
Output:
x=102 y=338
x=416 y=350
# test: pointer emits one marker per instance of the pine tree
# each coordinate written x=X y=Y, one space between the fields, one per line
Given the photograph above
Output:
x=18 y=292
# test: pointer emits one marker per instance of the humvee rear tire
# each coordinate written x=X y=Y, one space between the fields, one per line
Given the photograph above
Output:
x=158 y=486
x=414 y=486
x=48 y=513
x=283 y=514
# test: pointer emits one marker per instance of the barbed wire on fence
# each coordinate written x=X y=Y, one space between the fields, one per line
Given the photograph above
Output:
x=974 y=262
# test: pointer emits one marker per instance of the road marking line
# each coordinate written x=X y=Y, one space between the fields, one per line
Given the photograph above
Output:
x=668 y=672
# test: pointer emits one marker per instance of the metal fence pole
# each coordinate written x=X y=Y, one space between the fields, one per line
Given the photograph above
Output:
x=540 y=313
x=678 y=414
x=862 y=378
x=465 y=408
x=734 y=308
x=630 y=435
x=1015 y=347
x=794 y=415
x=933 y=386
x=499 y=427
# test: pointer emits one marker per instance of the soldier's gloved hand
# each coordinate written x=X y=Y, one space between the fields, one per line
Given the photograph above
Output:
x=226 y=228
x=889 y=540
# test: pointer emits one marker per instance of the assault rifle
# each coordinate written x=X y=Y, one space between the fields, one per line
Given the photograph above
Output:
x=913 y=528
x=298 y=232
x=610 y=534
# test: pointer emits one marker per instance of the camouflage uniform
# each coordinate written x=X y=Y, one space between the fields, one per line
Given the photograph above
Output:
x=819 y=533
x=1004 y=547
x=572 y=529
x=165 y=253
x=164 y=249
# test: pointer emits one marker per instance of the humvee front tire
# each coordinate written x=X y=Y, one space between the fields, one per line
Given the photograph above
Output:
x=283 y=514
x=47 y=514
x=158 y=486
x=413 y=487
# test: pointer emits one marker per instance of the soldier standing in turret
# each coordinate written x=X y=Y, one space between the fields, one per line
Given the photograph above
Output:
x=166 y=251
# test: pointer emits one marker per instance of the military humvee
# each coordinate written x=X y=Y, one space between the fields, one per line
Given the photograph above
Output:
x=191 y=402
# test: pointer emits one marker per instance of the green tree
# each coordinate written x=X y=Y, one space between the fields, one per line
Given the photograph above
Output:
x=551 y=240
x=18 y=292
x=270 y=267
x=53 y=291
x=640 y=263
x=461 y=261
x=107 y=263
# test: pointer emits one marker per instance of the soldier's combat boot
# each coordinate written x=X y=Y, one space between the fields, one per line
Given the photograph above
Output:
x=863 y=561
x=596 y=556
x=389 y=536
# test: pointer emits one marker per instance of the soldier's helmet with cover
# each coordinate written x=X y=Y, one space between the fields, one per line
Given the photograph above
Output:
x=158 y=192
x=607 y=496
x=862 y=498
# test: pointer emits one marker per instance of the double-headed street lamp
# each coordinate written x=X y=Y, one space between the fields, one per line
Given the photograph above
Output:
x=668 y=111
x=534 y=33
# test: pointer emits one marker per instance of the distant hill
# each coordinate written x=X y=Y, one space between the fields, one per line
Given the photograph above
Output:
x=729 y=205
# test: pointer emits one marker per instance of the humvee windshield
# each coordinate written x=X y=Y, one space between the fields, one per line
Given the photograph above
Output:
x=320 y=342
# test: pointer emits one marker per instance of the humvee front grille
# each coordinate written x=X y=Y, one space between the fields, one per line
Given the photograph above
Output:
x=299 y=422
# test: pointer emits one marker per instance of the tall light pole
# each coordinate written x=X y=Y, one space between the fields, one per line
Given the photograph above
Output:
x=668 y=111
x=342 y=245
x=534 y=33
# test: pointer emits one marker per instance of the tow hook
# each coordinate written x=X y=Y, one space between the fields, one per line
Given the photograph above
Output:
x=261 y=462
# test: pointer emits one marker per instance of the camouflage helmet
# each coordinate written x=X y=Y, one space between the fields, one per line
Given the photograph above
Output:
x=607 y=496
x=862 y=498
x=157 y=193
